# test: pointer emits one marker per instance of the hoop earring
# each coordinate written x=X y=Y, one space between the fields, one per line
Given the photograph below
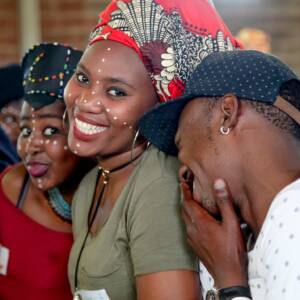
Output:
x=224 y=130
x=65 y=121
x=133 y=146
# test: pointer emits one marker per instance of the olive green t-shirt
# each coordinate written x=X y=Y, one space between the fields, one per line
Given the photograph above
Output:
x=144 y=233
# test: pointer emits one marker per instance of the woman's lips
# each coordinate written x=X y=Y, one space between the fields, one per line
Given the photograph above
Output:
x=87 y=131
x=37 y=169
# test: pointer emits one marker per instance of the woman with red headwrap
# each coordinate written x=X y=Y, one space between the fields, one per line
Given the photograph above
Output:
x=129 y=239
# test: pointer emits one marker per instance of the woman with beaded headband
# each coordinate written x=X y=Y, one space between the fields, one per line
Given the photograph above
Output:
x=129 y=239
x=35 y=195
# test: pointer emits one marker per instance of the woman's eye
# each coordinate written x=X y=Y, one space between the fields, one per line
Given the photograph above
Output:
x=82 y=78
x=50 y=131
x=25 y=132
x=116 y=92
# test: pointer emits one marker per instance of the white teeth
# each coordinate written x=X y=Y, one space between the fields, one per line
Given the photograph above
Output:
x=87 y=128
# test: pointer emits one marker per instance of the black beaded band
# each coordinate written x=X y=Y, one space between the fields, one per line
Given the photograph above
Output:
x=232 y=292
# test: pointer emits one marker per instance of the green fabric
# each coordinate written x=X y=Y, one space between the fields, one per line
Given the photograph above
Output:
x=144 y=233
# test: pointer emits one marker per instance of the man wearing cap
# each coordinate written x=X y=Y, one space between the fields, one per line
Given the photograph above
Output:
x=238 y=138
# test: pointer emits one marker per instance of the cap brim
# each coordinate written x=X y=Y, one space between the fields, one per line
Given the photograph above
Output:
x=159 y=125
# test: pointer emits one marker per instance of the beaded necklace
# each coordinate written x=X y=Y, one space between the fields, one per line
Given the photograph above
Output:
x=59 y=205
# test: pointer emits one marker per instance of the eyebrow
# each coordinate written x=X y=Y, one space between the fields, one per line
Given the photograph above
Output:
x=118 y=80
x=42 y=116
x=108 y=79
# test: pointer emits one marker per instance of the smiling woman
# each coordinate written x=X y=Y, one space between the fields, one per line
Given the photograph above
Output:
x=35 y=195
x=129 y=238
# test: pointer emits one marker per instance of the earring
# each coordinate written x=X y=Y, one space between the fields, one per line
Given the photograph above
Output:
x=65 y=121
x=133 y=144
x=224 y=130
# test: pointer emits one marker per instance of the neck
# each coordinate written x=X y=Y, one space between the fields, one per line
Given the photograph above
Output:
x=112 y=162
x=263 y=183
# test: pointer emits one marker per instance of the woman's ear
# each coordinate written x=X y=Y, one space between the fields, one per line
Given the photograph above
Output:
x=230 y=110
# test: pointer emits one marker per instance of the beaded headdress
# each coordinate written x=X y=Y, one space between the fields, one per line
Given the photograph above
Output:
x=46 y=71
x=171 y=37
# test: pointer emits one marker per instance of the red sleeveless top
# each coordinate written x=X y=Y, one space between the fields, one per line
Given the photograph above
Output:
x=38 y=256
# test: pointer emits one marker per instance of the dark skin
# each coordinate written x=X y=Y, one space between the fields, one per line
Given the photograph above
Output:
x=213 y=225
x=9 y=120
x=43 y=139
x=111 y=90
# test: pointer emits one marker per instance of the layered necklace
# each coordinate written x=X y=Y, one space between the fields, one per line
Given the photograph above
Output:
x=59 y=205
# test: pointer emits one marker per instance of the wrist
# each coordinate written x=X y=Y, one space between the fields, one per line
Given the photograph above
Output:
x=231 y=280
x=230 y=293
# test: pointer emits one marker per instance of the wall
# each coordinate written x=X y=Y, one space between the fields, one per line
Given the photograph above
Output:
x=64 y=21
x=281 y=18
x=9 y=31
x=70 y=21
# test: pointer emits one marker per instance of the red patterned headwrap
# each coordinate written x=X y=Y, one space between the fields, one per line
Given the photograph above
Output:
x=171 y=37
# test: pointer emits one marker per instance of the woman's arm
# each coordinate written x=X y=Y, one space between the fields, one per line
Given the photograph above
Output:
x=169 y=285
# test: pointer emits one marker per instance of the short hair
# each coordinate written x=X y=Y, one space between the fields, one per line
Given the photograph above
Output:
x=290 y=91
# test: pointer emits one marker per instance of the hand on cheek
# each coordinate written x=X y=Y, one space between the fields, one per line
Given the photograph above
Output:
x=219 y=245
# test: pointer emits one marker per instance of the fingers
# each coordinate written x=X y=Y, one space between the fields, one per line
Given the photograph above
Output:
x=194 y=211
x=224 y=202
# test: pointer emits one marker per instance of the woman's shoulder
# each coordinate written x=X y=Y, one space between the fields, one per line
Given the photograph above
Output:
x=13 y=176
x=155 y=179
x=158 y=165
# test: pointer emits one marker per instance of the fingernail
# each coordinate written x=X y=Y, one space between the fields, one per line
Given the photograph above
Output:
x=219 y=184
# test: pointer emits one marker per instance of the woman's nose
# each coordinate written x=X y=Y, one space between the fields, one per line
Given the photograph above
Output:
x=35 y=144
x=89 y=102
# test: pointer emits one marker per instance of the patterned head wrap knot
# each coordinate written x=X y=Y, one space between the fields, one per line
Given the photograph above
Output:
x=171 y=37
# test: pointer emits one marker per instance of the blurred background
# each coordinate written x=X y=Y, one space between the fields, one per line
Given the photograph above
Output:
x=274 y=24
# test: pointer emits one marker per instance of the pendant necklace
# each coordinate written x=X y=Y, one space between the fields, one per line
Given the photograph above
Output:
x=104 y=173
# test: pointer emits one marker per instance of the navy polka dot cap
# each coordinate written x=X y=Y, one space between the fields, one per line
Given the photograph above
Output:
x=46 y=69
x=247 y=74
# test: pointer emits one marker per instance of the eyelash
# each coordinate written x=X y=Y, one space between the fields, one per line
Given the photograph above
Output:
x=24 y=134
x=84 y=80
x=118 y=90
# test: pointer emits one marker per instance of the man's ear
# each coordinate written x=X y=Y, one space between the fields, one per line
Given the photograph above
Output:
x=229 y=110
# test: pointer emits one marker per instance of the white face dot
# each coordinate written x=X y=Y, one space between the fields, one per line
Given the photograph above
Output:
x=55 y=142
x=125 y=123
x=99 y=70
x=103 y=59
x=84 y=101
x=39 y=180
x=130 y=127
x=47 y=142
x=78 y=145
x=108 y=110
x=65 y=147
x=93 y=92
x=75 y=152
x=108 y=49
x=98 y=103
x=41 y=142
x=33 y=121
x=115 y=118
x=70 y=94
x=40 y=186
x=97 y=82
